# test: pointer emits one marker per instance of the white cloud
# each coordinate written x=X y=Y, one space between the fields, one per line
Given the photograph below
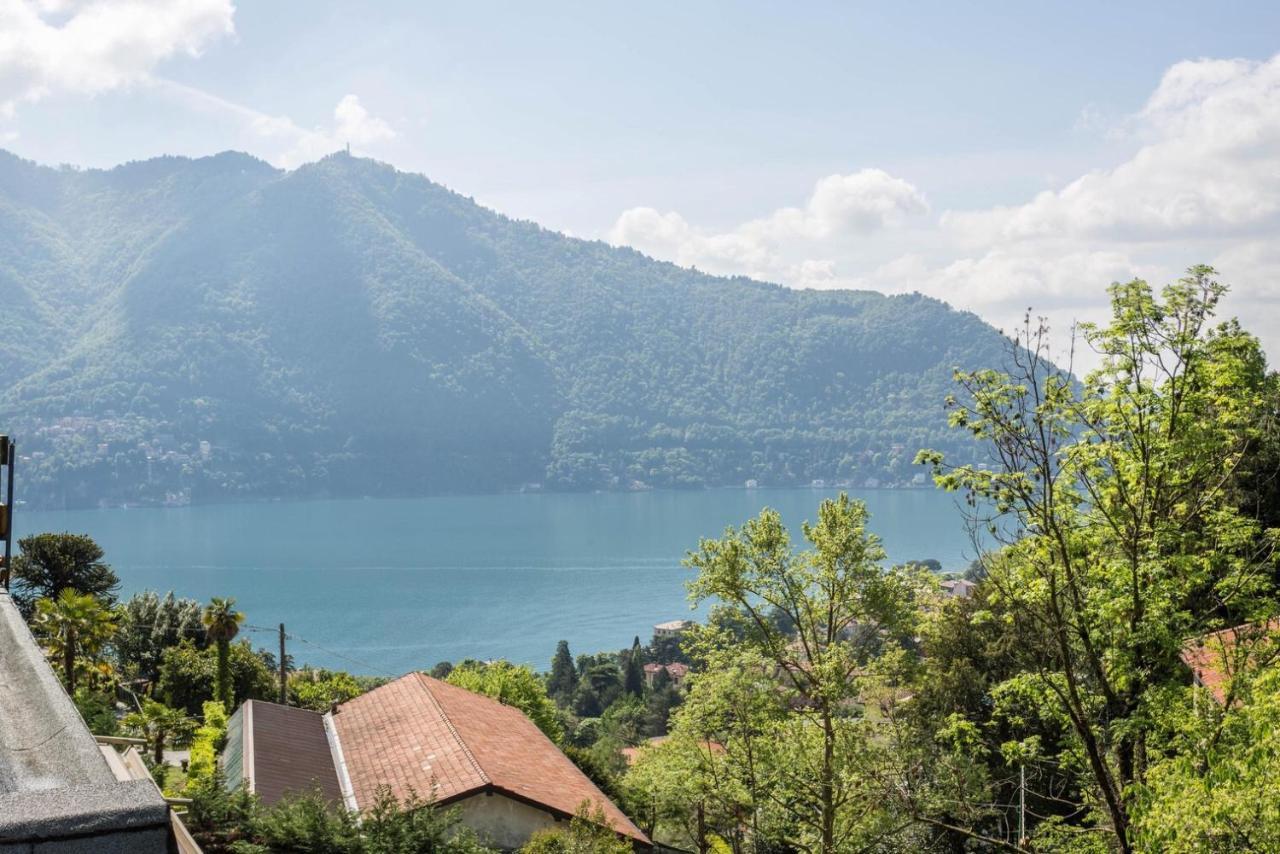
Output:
x=1211 y=166
x=840 y=207
x=354 y=124
x=1201 y=183
x=281 y=140
x=51 y=48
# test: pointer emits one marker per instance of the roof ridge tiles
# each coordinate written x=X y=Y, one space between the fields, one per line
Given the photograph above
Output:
x=453 y=731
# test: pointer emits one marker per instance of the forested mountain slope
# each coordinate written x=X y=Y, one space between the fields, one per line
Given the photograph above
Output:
x=216 y=328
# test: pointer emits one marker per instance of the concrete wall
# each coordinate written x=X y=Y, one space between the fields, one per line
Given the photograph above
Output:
x=503 y=822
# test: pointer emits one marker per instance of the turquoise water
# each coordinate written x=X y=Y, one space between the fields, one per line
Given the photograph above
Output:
x=386 y=586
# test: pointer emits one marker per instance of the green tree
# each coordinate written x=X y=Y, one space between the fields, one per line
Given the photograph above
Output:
x=590 y=832
x=633 y=672
x=50 y=563
x=75 y=627
x=222 y=623
x=161 y=726
x=599 y=684
x=719 y=773
x=150 y=624
x=98 y=708
x=843 y=607
x=415 y=826
x=188 y=674
x=564 y=677
x=511 y=685
x=319 y=689
x=1213 y=787
x=1123 y=535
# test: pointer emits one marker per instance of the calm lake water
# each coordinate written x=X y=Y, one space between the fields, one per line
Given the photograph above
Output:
x=386 y=586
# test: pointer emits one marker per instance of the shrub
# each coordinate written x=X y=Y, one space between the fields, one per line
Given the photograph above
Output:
x=210 y=738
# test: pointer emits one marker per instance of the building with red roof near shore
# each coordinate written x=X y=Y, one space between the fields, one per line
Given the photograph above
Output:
x=675 y=670
x=419 y=737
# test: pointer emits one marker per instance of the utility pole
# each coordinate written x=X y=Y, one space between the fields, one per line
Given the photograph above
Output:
x=1022 y=806
x=8 y=453
x=284 y=677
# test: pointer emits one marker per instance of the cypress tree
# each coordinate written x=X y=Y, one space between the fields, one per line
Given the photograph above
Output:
x=564 y=676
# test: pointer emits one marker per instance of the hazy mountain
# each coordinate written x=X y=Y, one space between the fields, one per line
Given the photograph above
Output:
x=347 y=328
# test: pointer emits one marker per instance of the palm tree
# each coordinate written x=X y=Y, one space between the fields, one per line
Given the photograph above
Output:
x=75 y=626
x=159 y=725
x=222 y=623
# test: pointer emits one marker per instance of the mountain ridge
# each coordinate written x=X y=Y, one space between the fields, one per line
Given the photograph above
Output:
x=347 y=327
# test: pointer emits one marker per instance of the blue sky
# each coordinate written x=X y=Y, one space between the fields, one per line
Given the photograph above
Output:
x=997 y=155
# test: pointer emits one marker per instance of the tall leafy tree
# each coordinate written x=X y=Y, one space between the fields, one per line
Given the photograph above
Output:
x=151 y=624
x=188 y=675
x=633 y=672
x=50 y=563
x=1114 y=498
x=222 y=623
x=75 y=626
x=842 y=606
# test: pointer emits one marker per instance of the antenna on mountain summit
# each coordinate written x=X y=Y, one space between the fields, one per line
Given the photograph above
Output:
x=348 y=148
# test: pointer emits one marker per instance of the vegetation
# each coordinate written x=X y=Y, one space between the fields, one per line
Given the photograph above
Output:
x=74 y=627
x=318 y=689
x=222 y=623
x=208 y=311
x=48 y=564
x=835 y=704
x=226 y=822
x=188 y=675
x=513 y=686
x=839 y=707
x=161 y=726
x=208 y=741
x=149 y=624
x=589 y=832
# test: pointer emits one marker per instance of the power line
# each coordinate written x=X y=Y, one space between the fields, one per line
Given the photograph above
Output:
x=377 y=671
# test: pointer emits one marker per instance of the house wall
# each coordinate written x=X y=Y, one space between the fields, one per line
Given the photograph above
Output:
x=503 y=822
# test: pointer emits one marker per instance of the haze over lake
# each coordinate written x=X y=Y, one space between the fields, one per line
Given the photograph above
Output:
x=386 y=586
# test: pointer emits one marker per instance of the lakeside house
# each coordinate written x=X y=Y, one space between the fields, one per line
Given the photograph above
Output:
x=677 y=671
x=672 y=628
x=418 y=737
x=960 y=588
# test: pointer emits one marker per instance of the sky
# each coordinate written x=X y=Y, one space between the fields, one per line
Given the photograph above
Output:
x=998 y=155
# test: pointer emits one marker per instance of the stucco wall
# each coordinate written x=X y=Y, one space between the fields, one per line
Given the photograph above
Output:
x=503 y=822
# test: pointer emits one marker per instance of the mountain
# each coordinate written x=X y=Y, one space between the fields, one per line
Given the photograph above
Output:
x=217 y=328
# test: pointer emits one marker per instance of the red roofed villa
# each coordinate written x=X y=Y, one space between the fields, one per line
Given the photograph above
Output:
x=1217 y=658
x=675 y=670
x=418 y=735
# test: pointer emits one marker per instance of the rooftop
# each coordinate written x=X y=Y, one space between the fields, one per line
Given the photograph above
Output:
x=278 y=749
x=56 y=789
x=421 y=736
x=1216 y=658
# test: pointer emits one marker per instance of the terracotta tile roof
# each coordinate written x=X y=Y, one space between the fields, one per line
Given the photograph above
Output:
x=418 y=734
x=1214 y=658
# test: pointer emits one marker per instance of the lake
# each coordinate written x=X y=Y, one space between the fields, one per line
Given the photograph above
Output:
x=388 y=585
